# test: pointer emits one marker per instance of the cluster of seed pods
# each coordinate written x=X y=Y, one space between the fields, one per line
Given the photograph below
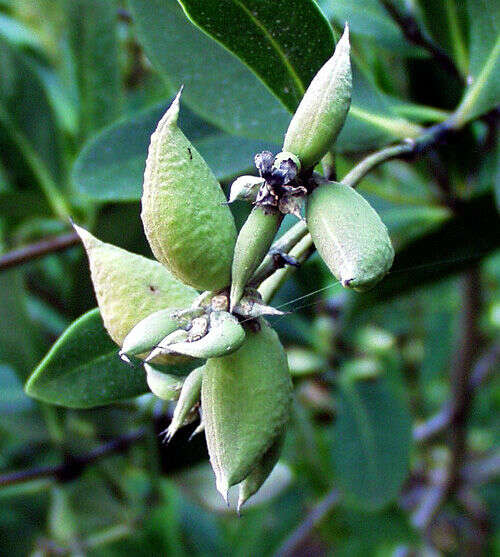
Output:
x=240 y=384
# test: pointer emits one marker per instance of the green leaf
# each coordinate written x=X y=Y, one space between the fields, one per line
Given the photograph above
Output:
x=446 y=22
x=83 y=369
x=217 y=85
x=111 y=165
x=93 y=33
x=372 y=441
x=284 y=42
x=368 y=19
x=17 y=341
x=17 y=34
x=24 y=97
x=483 y=91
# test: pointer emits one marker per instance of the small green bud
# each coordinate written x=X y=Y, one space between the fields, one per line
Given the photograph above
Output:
x=254 y=481
x=245 y=399
x=349 y=235
x=188 y=225
x=245 y=188
x=130 y=287
x=224 y=336
x=149 y=332
x=288 y=163
x=323 y=109
x=189 y=397
x=162 y=385
x=254 y=241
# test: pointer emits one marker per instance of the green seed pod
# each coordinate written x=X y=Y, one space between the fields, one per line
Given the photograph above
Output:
x=245 y=399
x=190 y=395
x=225 y=336
x=254 y=241
x=349 y=235
x=187 y=222
x=253 y=482
x=162 y=385
x=245 y=188
x=323 y=109
x=149 y=332
x=130 y=287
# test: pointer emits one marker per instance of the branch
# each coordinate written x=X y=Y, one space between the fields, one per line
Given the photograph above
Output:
x=440 y=422
x=411 y=30
x=304 y=529
x=461 y=398
x=74 y=465
x=38 y=249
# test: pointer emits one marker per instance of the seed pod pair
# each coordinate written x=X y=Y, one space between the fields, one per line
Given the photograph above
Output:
x=323 y=109
x=188 y=225
x=130 y=287
x=349 y=235
x=254 y=240
x=245 y=398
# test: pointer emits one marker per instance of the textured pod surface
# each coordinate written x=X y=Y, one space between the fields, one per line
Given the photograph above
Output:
x=224 y=337
x=323 y=109
x=254 y=481
x=130 y=287
x=149 y=332
x=245 y=399
x=190 y=395
x=349 y=235
x=188 y=225
x=254 y=241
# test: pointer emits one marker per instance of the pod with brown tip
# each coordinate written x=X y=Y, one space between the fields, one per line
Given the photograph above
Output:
x=349 y=235
x=323 y=109
x=225 y=335
x=188 y=225
x=254 y=481
x=254 y=240
x=190 y=395
x=129 y=287
x=245 y=399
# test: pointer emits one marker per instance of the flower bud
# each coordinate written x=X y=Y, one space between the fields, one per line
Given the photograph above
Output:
x=187 y=222
x=130 y=287
x=250 y=307
x=224 y=336
x=245 y=399
x=349 y=235
x=245 y=188
x=162 y=385
x=254 y=240
x=149 y=332
x=323 y=109
x=190 y=395
x=253 y=482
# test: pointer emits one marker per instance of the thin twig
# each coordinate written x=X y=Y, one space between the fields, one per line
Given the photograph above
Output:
x=38 y=249
x=484 y=368
x=313 y=519
x=74 y=466
x=461 y=398
x=411 y=30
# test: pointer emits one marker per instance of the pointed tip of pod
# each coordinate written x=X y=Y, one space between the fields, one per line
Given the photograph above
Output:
x=235 y=296
x=172 y=114
x=344 y=42
x=88 y=240
x=223 y=488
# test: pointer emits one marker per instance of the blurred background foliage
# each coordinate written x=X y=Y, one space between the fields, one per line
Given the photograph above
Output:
x=393 y=446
